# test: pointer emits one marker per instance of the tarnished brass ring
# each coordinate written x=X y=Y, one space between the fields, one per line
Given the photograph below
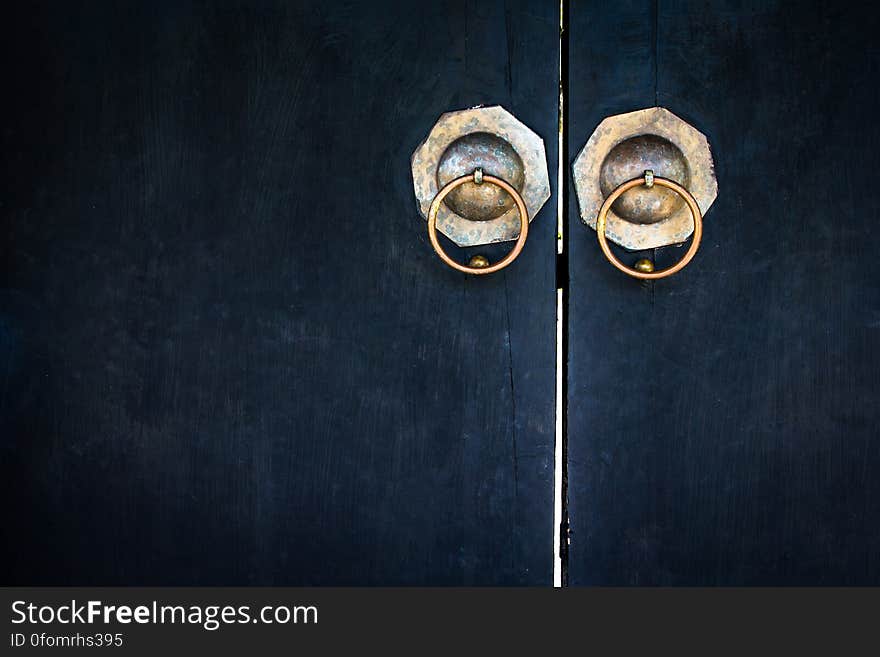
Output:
x=662 y=182
x=479 y=178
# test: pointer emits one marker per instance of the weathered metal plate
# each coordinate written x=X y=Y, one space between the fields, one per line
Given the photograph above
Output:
x=697 y=175
x=526 y=171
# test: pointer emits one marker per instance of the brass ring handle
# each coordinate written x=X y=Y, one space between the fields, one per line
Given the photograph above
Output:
x=479 y=178
x=649 y=180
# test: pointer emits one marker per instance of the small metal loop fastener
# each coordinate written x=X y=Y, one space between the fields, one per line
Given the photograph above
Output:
x=649 y=180
x=479 y=178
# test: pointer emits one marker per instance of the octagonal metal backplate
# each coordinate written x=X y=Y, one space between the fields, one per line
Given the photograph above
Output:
x=700 y=173
x=451 y=127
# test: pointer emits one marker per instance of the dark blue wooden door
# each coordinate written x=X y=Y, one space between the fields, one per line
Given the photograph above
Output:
x=228 y=354
x=723 y=423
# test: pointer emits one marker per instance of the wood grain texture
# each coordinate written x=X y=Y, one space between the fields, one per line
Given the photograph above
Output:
x=723 y=423
x=228 y=354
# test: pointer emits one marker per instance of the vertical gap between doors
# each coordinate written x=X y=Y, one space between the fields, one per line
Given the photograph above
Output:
x=560 y=514
x=655 y=47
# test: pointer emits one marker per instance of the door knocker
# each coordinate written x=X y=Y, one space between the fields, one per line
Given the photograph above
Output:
x=479 y=178
x=644 y=180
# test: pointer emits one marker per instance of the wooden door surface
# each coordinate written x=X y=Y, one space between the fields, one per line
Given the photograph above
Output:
x=228 y=354
x=723 y=422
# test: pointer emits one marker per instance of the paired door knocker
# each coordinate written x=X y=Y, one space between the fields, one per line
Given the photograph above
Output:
x=480 y=177
x=644 y=180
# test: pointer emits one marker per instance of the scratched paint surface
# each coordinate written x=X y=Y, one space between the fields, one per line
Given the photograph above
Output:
x=723 y=422
x=228 y=353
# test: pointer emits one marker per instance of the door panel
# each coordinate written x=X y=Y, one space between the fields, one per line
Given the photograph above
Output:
x=723 y=422
x=229 y=354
